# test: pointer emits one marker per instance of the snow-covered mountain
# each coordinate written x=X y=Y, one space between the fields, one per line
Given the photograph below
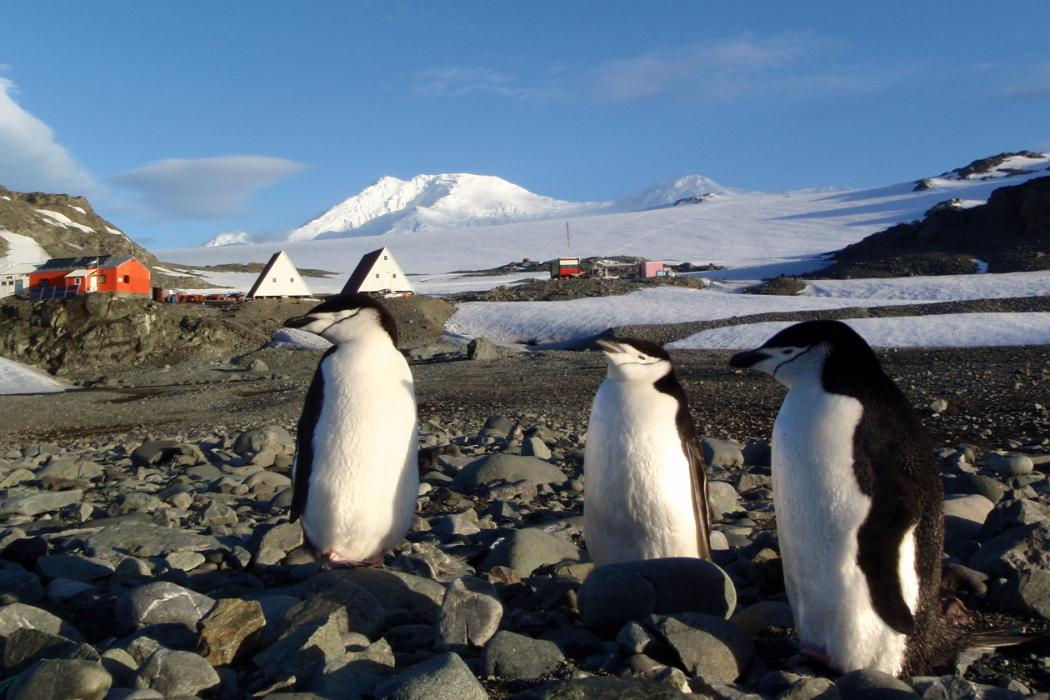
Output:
x=458 y=200
x=753 y=234
x=230 y=238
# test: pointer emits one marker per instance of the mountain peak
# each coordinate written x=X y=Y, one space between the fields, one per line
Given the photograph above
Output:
x=457 y=200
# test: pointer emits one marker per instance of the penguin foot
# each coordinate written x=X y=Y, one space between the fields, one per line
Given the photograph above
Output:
x=808 y=654
x=955 y=611
x=334 y=560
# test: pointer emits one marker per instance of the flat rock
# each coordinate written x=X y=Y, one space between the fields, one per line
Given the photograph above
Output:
x=73 y=567
x=867 y=684
x=506 y=467
x=19 y=586
x=978 y=483
x=1028 y=593
x=517 y=657
x=419 y=597
x=166 y=452
x=303 y=650
x=357 y=673
x=115 y=542
x=25 y=645
x=226 y=628
x=18 y=615
x=271 y=437
x=62 y=679
x=1016 y=550
x=811 y=689
x=38 y=502
x=348 y=606
x=722 y=498
x=1011 y=513
x=442 y=677
x=708 y=646
x=162 y=602
x=614 y=594
x=602 y=688
x=527 y=549
x=722 y=453
x=176 y=673
x=1009 y=464
x=470 y=613
x=763 y=614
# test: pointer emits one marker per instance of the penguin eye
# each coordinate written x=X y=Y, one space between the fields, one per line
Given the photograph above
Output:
x=787 y=352
x=641 y=357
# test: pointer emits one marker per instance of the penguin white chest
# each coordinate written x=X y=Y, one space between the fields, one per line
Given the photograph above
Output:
x=364 y=477
x=820 y=508
x=638 y=502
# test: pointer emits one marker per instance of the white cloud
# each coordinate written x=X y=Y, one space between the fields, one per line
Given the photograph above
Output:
x=30 y=158
x=784 y=66
x=1036 y=85
x=204 y=187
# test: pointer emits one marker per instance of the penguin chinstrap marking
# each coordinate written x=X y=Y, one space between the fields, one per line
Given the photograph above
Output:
x=645 y=493
x=356 y=474
x=858 y=501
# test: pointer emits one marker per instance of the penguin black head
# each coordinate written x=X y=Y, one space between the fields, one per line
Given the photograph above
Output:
x=632 y=359
x=346 y=317
x=807 y=350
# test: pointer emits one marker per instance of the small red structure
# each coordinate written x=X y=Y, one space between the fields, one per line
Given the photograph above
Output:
x=566 y=267
x=60 y=278
x=649 y=269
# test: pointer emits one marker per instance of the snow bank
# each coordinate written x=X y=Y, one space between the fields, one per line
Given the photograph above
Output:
x=559 y=321
x=943 y=331
x=295 y=339
x=16 y=378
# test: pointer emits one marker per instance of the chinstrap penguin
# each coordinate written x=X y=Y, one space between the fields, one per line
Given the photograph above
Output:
x=859 y=504
x=355 y=475
x=645 y=479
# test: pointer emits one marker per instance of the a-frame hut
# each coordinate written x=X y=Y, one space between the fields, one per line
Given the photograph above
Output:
x=379 y=274
x=279 y=279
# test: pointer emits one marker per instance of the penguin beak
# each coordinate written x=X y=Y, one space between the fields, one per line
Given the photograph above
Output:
x=749 y=358
x=299 y=321
x=609 y=347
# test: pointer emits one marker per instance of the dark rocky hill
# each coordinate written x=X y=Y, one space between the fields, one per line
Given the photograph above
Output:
x=1011 y=232
x=73 y=229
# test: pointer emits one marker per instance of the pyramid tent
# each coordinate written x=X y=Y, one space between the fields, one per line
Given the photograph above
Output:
x=279 y=279
x=378 y=273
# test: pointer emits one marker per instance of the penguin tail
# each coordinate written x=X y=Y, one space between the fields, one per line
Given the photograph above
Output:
x=999 y=637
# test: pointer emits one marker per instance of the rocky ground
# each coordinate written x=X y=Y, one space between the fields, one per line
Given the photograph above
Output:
x=145 y=548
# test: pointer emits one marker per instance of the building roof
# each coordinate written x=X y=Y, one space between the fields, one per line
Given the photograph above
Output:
x=87 y=261
x=81 y=273
x=368 y=260
x=260 y=281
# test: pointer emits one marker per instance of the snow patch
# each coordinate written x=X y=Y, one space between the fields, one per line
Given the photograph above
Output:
x=16 y=378
x=114 y=231
x=295 y=339
x=80 y=209
x=939 y=331
x=21 y=251
x=59 y=219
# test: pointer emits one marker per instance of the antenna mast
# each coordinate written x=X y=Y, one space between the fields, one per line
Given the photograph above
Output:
x=568 y=238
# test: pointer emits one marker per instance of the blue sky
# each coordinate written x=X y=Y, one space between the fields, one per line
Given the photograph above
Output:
x=183 y=120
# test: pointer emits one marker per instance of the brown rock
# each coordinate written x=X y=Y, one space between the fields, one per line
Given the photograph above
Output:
x=224 y=631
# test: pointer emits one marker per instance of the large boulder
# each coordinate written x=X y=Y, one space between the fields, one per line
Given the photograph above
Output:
x=615 y=594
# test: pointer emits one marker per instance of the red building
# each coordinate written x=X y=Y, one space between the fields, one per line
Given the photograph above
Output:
x=59 y=278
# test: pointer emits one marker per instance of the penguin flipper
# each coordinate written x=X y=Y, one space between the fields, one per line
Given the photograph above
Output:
x=304 y=441
x=701 y=505
x=879 y=541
